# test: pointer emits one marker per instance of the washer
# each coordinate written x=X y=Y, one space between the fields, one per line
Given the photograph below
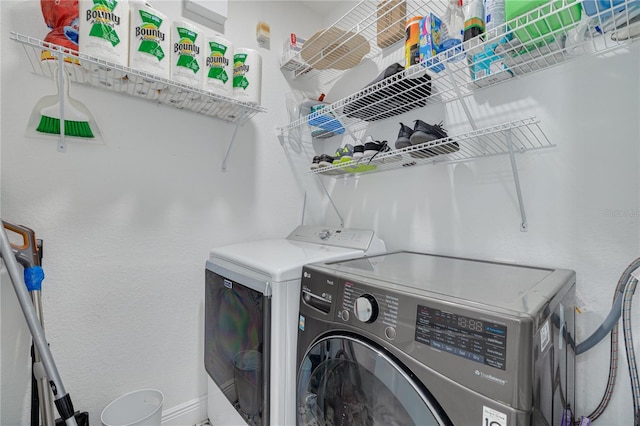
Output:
x=251 y=310
x=411 y=338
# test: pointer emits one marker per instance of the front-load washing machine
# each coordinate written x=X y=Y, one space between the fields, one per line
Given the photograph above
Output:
x=417 y=339
x=251 y=315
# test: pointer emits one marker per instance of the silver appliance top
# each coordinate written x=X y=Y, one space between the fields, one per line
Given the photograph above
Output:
x=513 y=287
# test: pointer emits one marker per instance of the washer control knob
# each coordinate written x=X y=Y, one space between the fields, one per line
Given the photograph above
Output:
x=366 y=308
x=324 y=234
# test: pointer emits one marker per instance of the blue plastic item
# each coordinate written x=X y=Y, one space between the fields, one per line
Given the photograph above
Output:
x=328 y=122
x=593 y=7
x=33 y=277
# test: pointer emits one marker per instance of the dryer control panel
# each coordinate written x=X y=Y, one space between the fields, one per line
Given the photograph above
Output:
x=338 y=237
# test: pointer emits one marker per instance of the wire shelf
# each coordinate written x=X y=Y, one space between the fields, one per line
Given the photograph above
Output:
x=517 y=136
x=95 y=72
x=549 y=35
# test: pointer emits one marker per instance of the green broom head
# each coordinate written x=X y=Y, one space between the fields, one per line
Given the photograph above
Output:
x=76 y=115
x=51 y=125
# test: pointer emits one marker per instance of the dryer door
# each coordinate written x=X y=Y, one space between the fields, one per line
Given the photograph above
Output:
x=345 y=380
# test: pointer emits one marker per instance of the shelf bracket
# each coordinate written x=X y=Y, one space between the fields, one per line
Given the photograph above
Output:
x=464 y=105
x=335 y=208
x=516 y=180
x=233 y=139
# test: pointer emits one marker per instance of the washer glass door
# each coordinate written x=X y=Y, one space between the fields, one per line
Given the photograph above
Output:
x=343 y=380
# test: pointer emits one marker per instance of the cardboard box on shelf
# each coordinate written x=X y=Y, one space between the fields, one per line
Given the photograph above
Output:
x=430 y=42
x=390 y=22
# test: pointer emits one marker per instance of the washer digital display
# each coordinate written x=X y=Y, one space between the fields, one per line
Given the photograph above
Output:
x=477 y=340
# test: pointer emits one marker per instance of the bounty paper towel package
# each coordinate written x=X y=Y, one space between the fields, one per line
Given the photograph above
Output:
x=218 y=62
x=104 y=31
x=150 y=48
x=186 y=53
x=247 y=75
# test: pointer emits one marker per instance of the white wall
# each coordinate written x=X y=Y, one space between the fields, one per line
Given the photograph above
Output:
x=127 y=226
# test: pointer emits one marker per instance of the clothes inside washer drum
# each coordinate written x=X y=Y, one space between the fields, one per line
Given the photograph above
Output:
x=348 y=394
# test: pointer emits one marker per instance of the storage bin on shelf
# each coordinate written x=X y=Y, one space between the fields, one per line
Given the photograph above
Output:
x=537 y=22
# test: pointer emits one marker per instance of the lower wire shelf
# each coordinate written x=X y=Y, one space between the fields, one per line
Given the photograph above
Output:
x=504 y=139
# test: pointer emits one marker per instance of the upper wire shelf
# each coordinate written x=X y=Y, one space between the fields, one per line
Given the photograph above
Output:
x=95 y=72
x=546 y=36
x=512 y=137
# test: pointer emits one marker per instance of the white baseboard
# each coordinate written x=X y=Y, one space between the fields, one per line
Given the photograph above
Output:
x=187 y=414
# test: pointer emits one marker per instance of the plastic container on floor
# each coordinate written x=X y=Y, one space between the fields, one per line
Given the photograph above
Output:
x=138 y=408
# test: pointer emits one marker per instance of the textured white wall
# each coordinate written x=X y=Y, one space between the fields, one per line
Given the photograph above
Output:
x=127 y=226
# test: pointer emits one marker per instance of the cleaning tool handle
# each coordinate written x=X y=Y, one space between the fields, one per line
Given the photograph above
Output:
x=65 y=407
x=27 y=252
x=63 y=90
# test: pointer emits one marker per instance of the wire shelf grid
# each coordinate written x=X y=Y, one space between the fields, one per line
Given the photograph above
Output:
x=546 y=36
x=95 y=72
x=523 y=135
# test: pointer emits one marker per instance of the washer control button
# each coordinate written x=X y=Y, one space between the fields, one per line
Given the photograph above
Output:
x=345 y=315
x=390 y=332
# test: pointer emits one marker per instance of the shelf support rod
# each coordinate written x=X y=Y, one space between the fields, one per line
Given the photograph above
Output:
x=335 y=208
x=465 y=107
x=233 y=139
x=516 y=179
x=62 y=146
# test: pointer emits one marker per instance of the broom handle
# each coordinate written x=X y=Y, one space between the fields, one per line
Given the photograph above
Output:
x=62 y=94
x=62 y=399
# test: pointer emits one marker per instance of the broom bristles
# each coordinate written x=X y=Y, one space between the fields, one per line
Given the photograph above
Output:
x=51 y=125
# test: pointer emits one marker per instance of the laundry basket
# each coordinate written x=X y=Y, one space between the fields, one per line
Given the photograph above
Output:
x=138 y=408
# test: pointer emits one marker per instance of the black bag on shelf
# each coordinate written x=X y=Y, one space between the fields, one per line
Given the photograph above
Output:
x=383 y=98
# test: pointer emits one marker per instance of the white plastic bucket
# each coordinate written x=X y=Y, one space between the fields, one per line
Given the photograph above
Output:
x=141 y=407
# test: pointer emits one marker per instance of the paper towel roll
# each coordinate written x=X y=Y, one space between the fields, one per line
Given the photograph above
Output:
x=150 y=44
x=104 y=33
x=187 y=51
x=247 y=75
x=218 y=63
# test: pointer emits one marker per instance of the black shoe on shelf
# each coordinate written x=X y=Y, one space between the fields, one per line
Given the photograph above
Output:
x=423 y=132
x=372 y=147
x=325 y=160
x=358 y=150
x=315 y=163
x=404 y=137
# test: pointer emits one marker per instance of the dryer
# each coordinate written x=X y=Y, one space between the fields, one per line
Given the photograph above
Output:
x=252 y=291
x=418 y=339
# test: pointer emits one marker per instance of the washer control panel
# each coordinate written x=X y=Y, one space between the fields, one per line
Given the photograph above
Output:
x=402 y=319
x=369 y=306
